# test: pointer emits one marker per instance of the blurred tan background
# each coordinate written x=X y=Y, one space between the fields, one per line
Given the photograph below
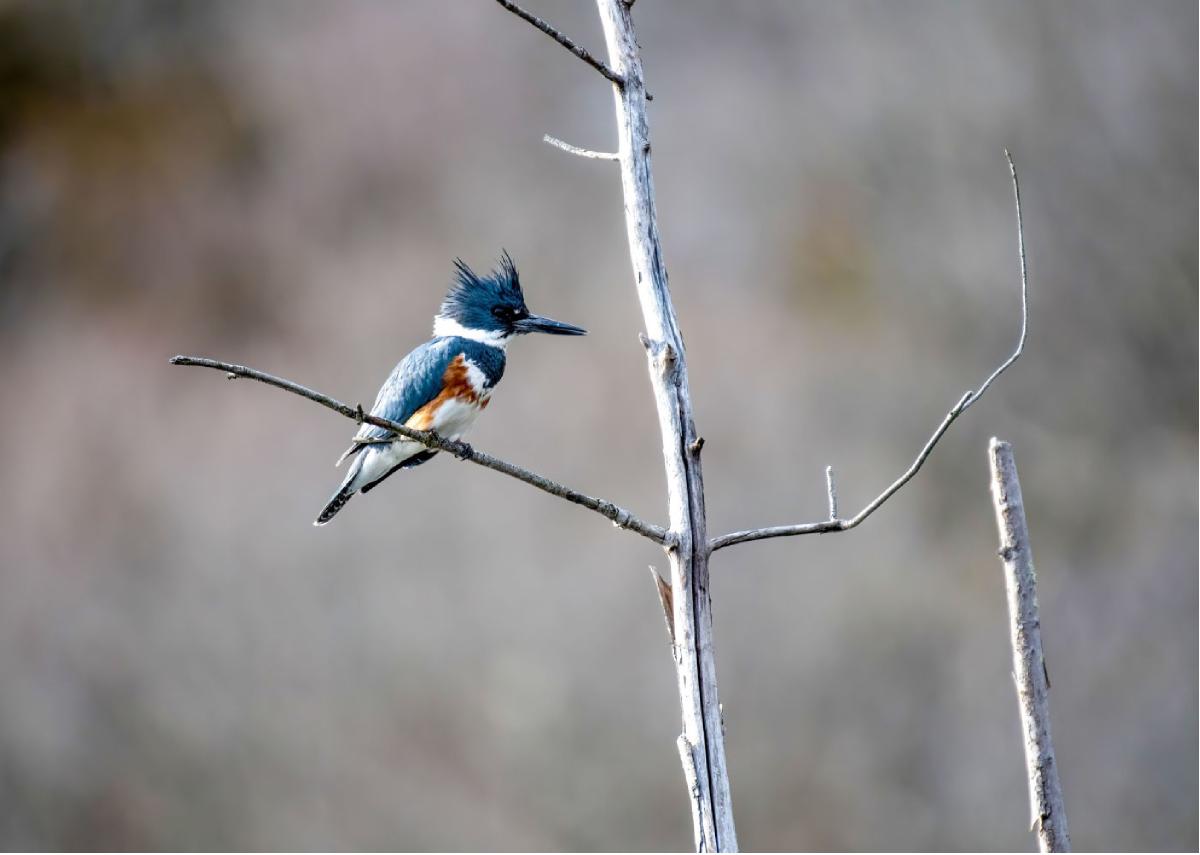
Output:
x=460 y=662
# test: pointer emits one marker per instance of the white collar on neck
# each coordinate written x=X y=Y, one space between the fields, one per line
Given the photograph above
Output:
x=443 y=326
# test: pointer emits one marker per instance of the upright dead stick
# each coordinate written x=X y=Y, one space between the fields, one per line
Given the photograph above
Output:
x=695 y=666
x=1029 y=662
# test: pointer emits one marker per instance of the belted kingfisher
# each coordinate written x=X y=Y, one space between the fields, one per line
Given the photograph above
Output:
x=444 y=384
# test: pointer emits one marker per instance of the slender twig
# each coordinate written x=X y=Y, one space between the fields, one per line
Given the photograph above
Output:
x=964 y=403
x=1049 y=814
x=581 y=152
x=618 y=515
x=563 y=40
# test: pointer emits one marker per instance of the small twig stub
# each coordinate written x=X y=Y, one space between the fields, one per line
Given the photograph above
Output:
x=665 y=599
x=831 y=490
x=580 y=152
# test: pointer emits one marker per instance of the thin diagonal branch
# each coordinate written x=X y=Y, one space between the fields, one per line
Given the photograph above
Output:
x=969 y=398
x=563 y=40
x=581 y=152
x=616 y=514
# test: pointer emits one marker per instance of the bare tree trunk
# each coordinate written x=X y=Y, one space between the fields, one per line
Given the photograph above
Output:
x=1029 y=662
x=703 y=739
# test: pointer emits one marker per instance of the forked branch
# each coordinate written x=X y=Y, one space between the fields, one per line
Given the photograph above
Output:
x=834 y=523
x=619 y=517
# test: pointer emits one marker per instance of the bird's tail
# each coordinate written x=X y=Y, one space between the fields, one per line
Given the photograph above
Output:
x=335 y=504
x=349 y=488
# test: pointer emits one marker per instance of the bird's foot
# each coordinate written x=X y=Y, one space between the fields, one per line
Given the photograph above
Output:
x=462 y=450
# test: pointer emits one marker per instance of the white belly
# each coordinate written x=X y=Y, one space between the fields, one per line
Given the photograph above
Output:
x=451 y=421
x=455 y=417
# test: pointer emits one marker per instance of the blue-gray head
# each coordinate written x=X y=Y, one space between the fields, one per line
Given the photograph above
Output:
x=491 y=308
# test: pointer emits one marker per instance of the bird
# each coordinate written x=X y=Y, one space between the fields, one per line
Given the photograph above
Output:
x=444 y=384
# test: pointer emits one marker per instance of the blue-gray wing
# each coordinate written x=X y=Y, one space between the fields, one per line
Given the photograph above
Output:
x=413 y=383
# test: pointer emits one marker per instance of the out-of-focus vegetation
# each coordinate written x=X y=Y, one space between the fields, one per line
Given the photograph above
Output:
x=185 y=662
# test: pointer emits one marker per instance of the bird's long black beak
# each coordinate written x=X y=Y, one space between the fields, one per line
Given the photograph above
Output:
x=534 y=323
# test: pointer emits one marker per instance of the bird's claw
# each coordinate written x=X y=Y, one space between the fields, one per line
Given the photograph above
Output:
x=359 y=416
x=463 y=451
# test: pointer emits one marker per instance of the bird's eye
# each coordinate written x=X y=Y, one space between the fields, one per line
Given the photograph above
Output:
x=504 y=313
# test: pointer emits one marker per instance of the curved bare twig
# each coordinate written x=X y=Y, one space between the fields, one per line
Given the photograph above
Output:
x=619 y=517
x=834 y=523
